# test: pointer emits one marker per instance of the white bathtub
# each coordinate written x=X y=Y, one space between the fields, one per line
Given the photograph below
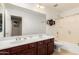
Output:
x=73 y=48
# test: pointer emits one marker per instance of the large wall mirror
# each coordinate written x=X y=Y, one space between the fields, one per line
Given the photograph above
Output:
x=19 y=21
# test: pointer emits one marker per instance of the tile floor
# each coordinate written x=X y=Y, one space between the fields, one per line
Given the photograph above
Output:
x=64 y=52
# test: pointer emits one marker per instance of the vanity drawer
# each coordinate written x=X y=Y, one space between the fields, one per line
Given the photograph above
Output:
x=26 y=46
x=52 y=40
x=15 y=49
x=47 y=41
x=40 y=42
x=5 y=52
x=32 y=45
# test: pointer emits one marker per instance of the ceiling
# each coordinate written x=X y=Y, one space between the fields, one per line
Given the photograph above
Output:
x=61 y=6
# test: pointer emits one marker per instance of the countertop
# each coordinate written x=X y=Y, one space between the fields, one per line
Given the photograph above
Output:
x=4 y=44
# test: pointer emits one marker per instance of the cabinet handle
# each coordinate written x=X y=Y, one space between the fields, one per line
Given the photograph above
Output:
x=4 y=52
x=32 y=45
x=48 y=45
x=40 y=43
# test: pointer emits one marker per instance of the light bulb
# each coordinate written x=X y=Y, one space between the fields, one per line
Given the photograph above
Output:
x=40 y=6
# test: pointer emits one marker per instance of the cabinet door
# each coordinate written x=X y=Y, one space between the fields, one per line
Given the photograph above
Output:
x=47 y=41
x=31 y=51
x=32 y=45
x=52 y=40
x=15 y=50
x=50 y=48
x=42 y=48
x=5 y=52
x=18 y=50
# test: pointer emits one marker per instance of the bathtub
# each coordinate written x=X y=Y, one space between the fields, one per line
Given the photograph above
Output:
x=73 y=48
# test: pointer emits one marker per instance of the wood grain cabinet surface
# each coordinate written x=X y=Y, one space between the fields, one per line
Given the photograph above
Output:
x=41 y=48
x=45 y=47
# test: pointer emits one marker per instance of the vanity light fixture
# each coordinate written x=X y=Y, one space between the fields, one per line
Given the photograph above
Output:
x=40 y=6
x=55 y=5
x=50 y=22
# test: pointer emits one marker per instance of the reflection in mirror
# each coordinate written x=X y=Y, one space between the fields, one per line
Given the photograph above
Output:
x=16 y=25
x=0 y=22
x=17 y=21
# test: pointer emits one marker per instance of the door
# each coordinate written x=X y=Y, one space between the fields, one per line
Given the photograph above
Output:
x=16 y=25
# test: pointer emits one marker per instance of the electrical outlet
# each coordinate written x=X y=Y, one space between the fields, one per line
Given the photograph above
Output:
x=69 y=32
x=57 y=33
x=78 y=44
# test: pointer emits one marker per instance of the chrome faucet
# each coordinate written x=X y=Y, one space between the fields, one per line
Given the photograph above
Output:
x=18 y=38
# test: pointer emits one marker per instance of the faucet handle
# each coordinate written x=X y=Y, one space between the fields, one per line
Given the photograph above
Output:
x=78 y=44
x=25 y=38
x=16 y=39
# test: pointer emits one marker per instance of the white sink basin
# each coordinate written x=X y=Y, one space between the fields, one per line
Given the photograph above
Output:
x=6 y=42
x=18 y=41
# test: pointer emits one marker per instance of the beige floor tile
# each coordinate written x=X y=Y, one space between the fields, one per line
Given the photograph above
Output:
x=63 y=52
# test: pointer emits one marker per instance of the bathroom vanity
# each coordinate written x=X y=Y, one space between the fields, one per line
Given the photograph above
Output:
x=30 y=47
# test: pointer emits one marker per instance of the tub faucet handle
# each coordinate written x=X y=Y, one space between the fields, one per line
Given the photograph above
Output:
x=78 y=44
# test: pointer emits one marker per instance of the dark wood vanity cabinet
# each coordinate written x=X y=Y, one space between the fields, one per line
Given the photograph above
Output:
x=5 y=52
x=30 y=52
x=50 y=49
x=32 y=48
x=18 y=50
x=50 y=46
x=45 y=47
x=41 y=48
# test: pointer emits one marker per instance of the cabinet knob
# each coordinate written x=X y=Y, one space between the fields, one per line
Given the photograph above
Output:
x=48 y=45
x=32 y=45
x=40 y=42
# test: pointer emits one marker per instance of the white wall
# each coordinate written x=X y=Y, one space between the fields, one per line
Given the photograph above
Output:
x=69 y=12
x=51 y=30
x=68 y=26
